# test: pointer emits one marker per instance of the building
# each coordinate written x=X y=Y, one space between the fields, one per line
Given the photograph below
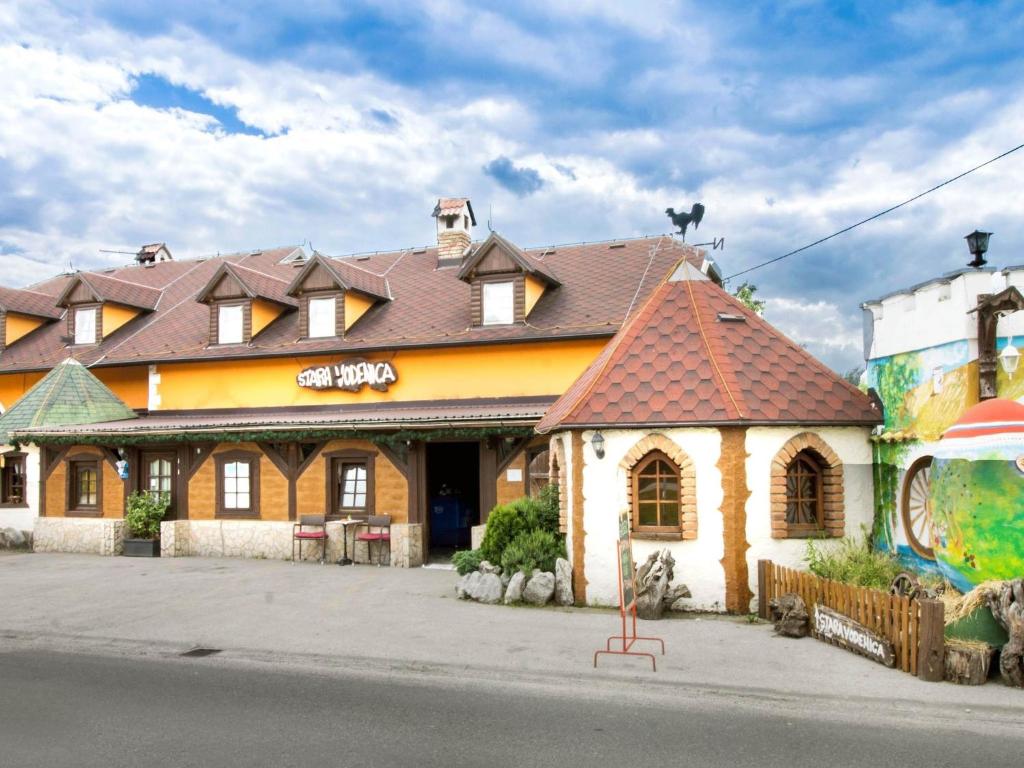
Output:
x=934 y=351
x=724 y=441
x=273 y=384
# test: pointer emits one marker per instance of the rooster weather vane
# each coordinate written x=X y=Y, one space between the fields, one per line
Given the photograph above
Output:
x=683 y=220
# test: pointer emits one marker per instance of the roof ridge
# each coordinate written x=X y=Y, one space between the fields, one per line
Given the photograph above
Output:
x=341 y=259
x=712 y=357
x=260 y=272
x=102 y=276
x=629 y=329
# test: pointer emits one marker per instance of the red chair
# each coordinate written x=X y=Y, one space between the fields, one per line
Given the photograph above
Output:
x=382 y=535
x=300 y=534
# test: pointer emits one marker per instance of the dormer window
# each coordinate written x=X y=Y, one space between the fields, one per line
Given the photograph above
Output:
x=85 y=325
x=230 y=324
x=499 y=303
x=323 y=322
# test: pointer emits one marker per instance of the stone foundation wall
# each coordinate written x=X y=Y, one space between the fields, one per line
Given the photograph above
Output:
x=269 y=540
x=93 y=536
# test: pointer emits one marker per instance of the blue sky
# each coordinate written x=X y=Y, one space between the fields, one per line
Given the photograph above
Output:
x=224 y=126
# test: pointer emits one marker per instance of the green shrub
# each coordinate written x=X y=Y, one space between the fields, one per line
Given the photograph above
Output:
x=507 y=521
x=467 y=561
x=532 y=549
x=143 y=513
x=853 y=561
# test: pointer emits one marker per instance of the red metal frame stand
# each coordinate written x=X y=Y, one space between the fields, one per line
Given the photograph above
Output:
x=627 y=607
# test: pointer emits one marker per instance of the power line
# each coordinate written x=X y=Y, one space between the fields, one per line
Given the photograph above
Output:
x=876 y=216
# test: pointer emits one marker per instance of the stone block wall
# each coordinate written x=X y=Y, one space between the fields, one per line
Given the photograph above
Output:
x=79 y=535
x=269 y=540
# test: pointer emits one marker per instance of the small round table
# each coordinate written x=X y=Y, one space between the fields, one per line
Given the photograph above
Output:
x=345 y=560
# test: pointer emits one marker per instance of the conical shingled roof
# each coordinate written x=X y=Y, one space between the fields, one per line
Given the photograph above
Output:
x=68 y=394
x=694 y=355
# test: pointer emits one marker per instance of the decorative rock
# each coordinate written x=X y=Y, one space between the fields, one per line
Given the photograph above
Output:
x=514 y=592
x=486 y=567
x=505 y=579
x=790 y=615
x=563 y=582
x=489 y=589
x=539 y=588
x=12 y=538
x=652 y=584
x=467 y=585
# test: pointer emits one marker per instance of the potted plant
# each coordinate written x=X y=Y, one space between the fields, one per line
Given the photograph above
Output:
x=142 y=515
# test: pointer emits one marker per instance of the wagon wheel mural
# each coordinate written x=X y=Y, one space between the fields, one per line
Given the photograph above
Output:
x=916 y=508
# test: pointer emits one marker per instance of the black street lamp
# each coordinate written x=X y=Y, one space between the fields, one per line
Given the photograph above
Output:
x=977 y=243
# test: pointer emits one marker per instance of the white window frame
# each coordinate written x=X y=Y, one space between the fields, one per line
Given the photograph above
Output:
x=85 y=333
x=323 y=323
x=232 y=332
x=237 y=486
x=499 y=303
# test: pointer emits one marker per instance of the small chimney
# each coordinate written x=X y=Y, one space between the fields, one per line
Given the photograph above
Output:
x=153 y=253
x=455 y=222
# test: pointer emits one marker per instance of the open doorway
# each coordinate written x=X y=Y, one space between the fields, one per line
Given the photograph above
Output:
x=453 y=495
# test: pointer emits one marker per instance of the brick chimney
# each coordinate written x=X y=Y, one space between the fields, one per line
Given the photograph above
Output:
x=455 y=221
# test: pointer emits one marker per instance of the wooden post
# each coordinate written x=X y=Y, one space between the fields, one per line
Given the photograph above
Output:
x=762 y=588
x=931 y=653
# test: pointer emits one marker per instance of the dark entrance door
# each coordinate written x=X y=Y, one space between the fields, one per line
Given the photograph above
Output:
x=157 y=477
x=453 y=494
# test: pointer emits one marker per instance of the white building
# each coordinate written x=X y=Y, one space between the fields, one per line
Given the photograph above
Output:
x=725 y=441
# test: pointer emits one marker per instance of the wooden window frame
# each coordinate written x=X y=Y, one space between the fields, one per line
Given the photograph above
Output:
x=145 y=457
x=229 y=457
x=246 y=305
x=73 y=311
x=73 y=465
x=649 y=458
x=798 y=530
x=476 y=298
x=339 y=314
x=5 y=484
x=334 y=460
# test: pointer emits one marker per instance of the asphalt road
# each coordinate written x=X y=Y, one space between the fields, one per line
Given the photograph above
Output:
x=78 y=710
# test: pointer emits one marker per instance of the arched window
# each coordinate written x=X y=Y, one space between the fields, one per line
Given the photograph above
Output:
x=804 y=498
x=656 y=486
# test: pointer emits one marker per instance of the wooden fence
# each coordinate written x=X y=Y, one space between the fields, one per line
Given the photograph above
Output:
x=914 y=627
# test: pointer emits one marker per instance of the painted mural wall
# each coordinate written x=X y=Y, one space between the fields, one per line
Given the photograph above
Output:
x=955 y=517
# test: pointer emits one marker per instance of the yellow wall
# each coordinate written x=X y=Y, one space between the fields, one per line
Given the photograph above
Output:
x=508 y=370
x=131 y=384
x=534 y=290
x=390 y=488
x=263 y=314
x=18 y=326
x=202 y=488
x=356 y=306
x=57 y=490
x=14 y=385
x=116 y=315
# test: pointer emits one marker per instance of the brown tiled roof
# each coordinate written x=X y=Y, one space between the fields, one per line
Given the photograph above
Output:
x=256 y=284
x=105 y=288
x=429 y=306
x=24 y=302
x=396 y=415
x=693 y=354
x=347 y=275
x=530 y=264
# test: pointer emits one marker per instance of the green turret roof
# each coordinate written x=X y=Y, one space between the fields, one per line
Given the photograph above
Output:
x=68 y=394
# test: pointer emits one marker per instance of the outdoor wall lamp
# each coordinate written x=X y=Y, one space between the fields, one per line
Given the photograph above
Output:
x=597 y=443
x=977 y=244
x=1009 y=358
